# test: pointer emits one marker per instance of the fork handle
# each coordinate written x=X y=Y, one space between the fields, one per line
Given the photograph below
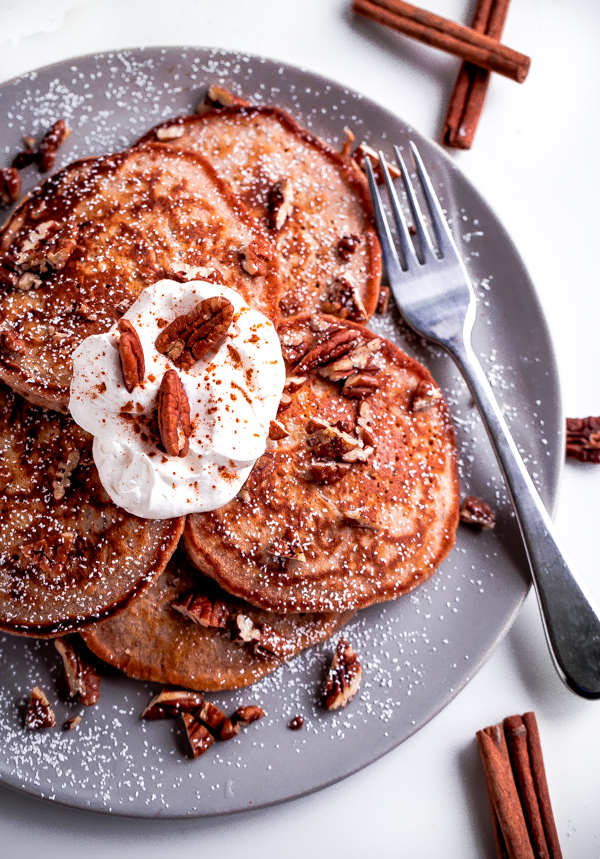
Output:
x=570 y=614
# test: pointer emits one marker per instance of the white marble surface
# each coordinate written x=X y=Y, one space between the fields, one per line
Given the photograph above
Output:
x=535 y=160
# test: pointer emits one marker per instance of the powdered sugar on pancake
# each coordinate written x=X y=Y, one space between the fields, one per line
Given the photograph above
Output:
x=234 y=392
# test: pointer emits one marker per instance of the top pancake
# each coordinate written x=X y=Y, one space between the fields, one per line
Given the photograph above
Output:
x=83 y=245
x=252 y=148
x=68 y=555
x=312 y=531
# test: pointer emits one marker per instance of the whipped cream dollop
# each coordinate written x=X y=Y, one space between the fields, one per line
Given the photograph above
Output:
x=233 y=392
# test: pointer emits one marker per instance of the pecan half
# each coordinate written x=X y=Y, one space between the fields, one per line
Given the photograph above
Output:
x=198 y=735
x=169 y=132
x=360 y=154
x=328 y=473
x=192 y=335
x=51 y=553
x=347 y=246
x=384 y=299
x=425 y=395
x=171 y=702
x=255 y=264
x=39 y=713
x=279 y=202
x=26 y=156
x=50 y=143
x=359 y=385
x=247 y=715
x=174 y=415
x=360 y=358
x=131 y=354
x=83 y=681
x=10 y=185
x=343 y=299
x=474 y=511
x=343 y=678
x=198 y=608
x=583 y=439
x=335 y=343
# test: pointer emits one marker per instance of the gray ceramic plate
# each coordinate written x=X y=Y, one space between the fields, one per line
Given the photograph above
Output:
x=417 y=652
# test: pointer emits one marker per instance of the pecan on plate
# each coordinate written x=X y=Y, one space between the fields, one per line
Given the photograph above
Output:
x=343 y=678
x=279 y=202
x=26 y=156
x=171 y=702
x=474 y=511
x=50 y=143
x=425 y=395
x=229 y=729
x=583 y=439
x=71 y=723
x=198 y=608
x=39 y=713
x=174 y=422
x=364 y=151
x=347 y=246
x=248 y=714
x=192 y=335
x=10 y=185
x=212 y=717
x=198 y=735
x=335 y=343
x=342 y=299
x=296 y=724
x=83 y=681
x=131 y=354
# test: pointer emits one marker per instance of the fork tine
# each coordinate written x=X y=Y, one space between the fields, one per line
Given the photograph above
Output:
x=408 y=249
x=388 y=249
x=443 y=234
x=425 y=244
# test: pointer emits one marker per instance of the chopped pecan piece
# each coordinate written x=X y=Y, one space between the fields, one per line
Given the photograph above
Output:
x=359 y=385
x=360 y=358
x=328 y=473
x=292 y=347
x=284 y=403
x=474 y=511
x=280 y=201
x=343 y=299
x=212 y=717
x=171 y=702
x=47 y=247
x=26 y=156
x=361 y=518
x=229 y=729
x=39 y=713
x=51 y=553
x=246 y=715
x=131 y=353
x=83 y=681
x=277 y=431
x=192 y=335
x=360 y=154
x=272 y=643
x=198 y=735
x=347 y=246
x=218 y=96
x=346 y=149
x=253 y=263
x=294 y=383
x=328 y=442
x=425 y=396
x=383 y=300
x=244 y=630
x=9 y=342
x=198 y=608
x=50 y=143
x=28 y=281
x=359 y=454
x=296 y=724
x=174 y=415
x=72 y=723
x=583 y=439
x=364 y=426
x=343 y=678
x=169 y=132
x=10 y=185
x=286 y=547
x=335 y=343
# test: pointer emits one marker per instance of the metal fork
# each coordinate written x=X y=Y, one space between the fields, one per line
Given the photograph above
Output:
x=434 y=294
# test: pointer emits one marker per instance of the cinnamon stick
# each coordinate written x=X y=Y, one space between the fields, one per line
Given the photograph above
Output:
x=470 y=89
x=447 y=35
x=541 y=785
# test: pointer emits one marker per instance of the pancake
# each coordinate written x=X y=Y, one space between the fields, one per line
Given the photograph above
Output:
x=357 y=501
x=68 y=555
x=153 y=641
x=84 y=244
x=329 y=233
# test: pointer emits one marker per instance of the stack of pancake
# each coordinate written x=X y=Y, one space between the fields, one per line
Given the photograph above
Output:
x=355 y=500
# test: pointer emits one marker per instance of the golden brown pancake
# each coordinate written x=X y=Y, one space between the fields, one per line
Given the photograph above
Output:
x=68 y=555
x=153 y=641
x=329 y=232
x=325 y=522
x=84 y=244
